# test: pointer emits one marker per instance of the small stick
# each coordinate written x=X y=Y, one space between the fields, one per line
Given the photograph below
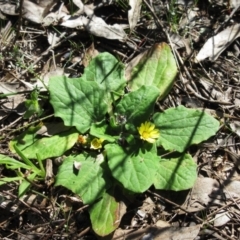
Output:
x=19 y=23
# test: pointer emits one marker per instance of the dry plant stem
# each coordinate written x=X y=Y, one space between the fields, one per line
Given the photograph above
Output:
x=221 y=208
x=191 y=89
x=154 y=14
x=182 y=64
x=12 y=123
x=19 y=24
x=41 y=225
x=176 y=205
x=163 y=29
x=112 y=50
x=159 y=23
x=33 y=183
x=49 y=178
x=82 y=208
x=82 y=233
x=48 y=50
x=21 y=201
x=60 y=226
x=207 y=73
x=23 y=235
x=11 y=218
x=196 y=217
x=226 y=20
x=37 y=121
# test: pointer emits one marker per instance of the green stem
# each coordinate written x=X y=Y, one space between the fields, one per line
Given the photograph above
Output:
x=25 y=159
x=41 y=165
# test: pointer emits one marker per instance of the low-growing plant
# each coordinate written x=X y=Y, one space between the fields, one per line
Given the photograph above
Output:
x=32 y=172
x=123 y=141
x=32 y=105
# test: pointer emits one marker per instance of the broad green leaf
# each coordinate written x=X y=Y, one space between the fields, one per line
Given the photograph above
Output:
x=104 y=215
x=136 y=107
x=156 y=68
x=89 y=181
x=135 y=170
x=78 y=102
x=100 y=130
x=108 y=72
x=181 y=127
x=176 y=173
x=31 y=144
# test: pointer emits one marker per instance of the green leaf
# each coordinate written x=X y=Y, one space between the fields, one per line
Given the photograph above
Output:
x=78 y=102
x=4 y=180
x=135 y=170
x=181 y=127
x=27 y=161
x=30 y=144
x=100 y=130
x=176 y=173
x=12 y=163
x=25 y=185
x=104 y=215
x=89 y=182
x=156 y=68
x=33 y=106
x=137 y=106
x=108 y=72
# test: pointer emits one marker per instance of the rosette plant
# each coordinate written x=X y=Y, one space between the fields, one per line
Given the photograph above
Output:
x=121 y=135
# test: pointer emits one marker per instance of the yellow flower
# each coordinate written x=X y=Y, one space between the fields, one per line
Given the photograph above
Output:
x=82 y=139
x=148 y=132
x=96 y=143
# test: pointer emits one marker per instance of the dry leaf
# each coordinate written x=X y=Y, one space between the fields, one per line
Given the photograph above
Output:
x=73 y=22
x=208 y=192
x=90 y=53
x=189 y=19
x=9 y=9
x=45 y=3
x=80 y=5
x=15 y=102
x=235 y=126
x=180 y=42
x=162 y=223
x=232 y=189
x=53 y=37
x=9 y=87
x=32 y=12
x=55 y=17
x=221 y=219
x=42 y=81
x=217 y=44
x=234 y=3
x=98 y=27
x=2 y=16
x=134 y=12
x=166 y=233
x=203 y=193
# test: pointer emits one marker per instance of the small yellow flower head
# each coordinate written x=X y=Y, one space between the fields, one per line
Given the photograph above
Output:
x=148 y=132
x=96 y=143
x=82 y=139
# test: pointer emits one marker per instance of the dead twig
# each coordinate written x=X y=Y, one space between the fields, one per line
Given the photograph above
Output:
x=19 y=24
x=193 y=215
